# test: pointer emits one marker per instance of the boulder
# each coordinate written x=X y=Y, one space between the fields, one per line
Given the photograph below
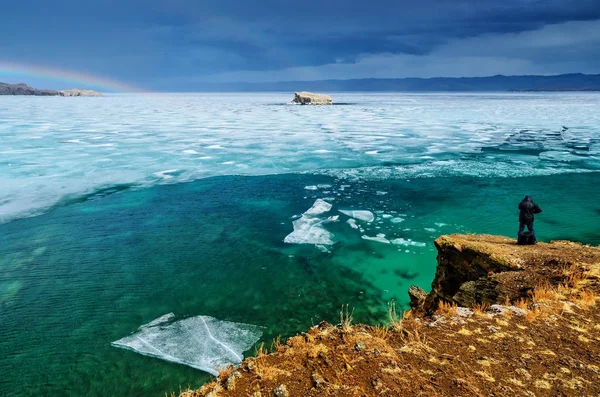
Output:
x=76 y=92
x=308 y=98
x=417 y=297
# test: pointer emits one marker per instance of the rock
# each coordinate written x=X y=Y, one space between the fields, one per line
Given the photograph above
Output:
x=230 y=383
x=417 y=297
x=485 y=269
x=281 y=391
x=317 y=380
x=76 y=92
x=24 y=89
x=360 y=345
x=308 y=98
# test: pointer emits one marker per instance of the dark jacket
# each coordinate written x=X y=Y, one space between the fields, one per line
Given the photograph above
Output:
x=528 y=208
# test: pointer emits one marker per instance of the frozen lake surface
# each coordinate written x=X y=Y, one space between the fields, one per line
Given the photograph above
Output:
x=287 y=213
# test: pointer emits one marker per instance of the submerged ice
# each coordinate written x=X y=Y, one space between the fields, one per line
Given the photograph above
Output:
x=361 y=215
x=201 y=342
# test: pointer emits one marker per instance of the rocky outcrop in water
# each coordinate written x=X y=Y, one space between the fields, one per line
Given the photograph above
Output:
x=309 y=98
x=76 y=92
x=24 y=89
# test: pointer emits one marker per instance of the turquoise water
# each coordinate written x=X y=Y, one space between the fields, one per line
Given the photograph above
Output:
x=85 y=274
x=117 y=210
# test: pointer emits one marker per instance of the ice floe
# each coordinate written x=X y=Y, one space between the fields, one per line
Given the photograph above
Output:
x=352 y=223
x=407 y=242
x=380 y=238
x=361 y=215
x=308 y=229
x=201 y=342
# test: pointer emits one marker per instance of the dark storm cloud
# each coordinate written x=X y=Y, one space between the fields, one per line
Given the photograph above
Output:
x=162 y=44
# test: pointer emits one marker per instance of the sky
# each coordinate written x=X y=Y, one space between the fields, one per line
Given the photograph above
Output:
x=176 y=45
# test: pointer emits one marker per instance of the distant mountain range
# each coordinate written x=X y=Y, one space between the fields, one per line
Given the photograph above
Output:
x=499 y=83
x=563 y=82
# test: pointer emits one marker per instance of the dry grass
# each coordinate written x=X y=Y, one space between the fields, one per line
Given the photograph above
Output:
x=226 y=372
x=260 y=350
x=276 y=345
x=346 y=318
x=479 y=309
x=586 y=299
x=381 y=332
x=522 y=304
x=446 y=308
x=393 y=316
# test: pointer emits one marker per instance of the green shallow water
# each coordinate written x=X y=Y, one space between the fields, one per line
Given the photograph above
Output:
x=88 y=273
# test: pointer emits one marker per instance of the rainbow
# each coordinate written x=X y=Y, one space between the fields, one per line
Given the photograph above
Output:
x=87 y=80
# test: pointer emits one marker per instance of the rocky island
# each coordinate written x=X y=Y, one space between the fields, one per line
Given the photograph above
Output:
x=76 y=92
x=309 y=98
x=24 y=89
x=501 y=319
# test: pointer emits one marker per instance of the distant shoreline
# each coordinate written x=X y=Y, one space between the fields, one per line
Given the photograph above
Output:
x=23 y=89
x=576 y=82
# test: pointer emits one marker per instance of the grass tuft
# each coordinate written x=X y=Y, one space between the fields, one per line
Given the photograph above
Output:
x=346 y=318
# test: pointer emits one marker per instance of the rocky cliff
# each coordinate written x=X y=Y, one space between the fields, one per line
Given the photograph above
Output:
x=24 y=89
x=501 y=319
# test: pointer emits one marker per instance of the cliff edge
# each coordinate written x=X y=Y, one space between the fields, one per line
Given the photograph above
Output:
x=501 y=319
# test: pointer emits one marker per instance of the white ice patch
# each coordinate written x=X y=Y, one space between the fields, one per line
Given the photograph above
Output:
x=396 y=220
x=380 y=238
x=407 y=242
x=439 y=224
x=352 y=223
x=190 y=152
x=323 y=186
x=200 y=342
x=308 y=228
x=361 y=215
x=318 y=208
x=165 y=174
x=312 y=187
x=430 y=229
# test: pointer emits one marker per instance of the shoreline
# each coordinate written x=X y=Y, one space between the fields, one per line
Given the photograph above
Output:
x=527 y=324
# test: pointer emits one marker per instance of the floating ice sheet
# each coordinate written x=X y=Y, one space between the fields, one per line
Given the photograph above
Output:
x=407 y=242
x=200 y=342
x=380 y=238
x=361 y=215
x=308 y=229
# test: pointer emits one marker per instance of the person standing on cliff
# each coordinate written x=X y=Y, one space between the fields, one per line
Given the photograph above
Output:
x=527 y=208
